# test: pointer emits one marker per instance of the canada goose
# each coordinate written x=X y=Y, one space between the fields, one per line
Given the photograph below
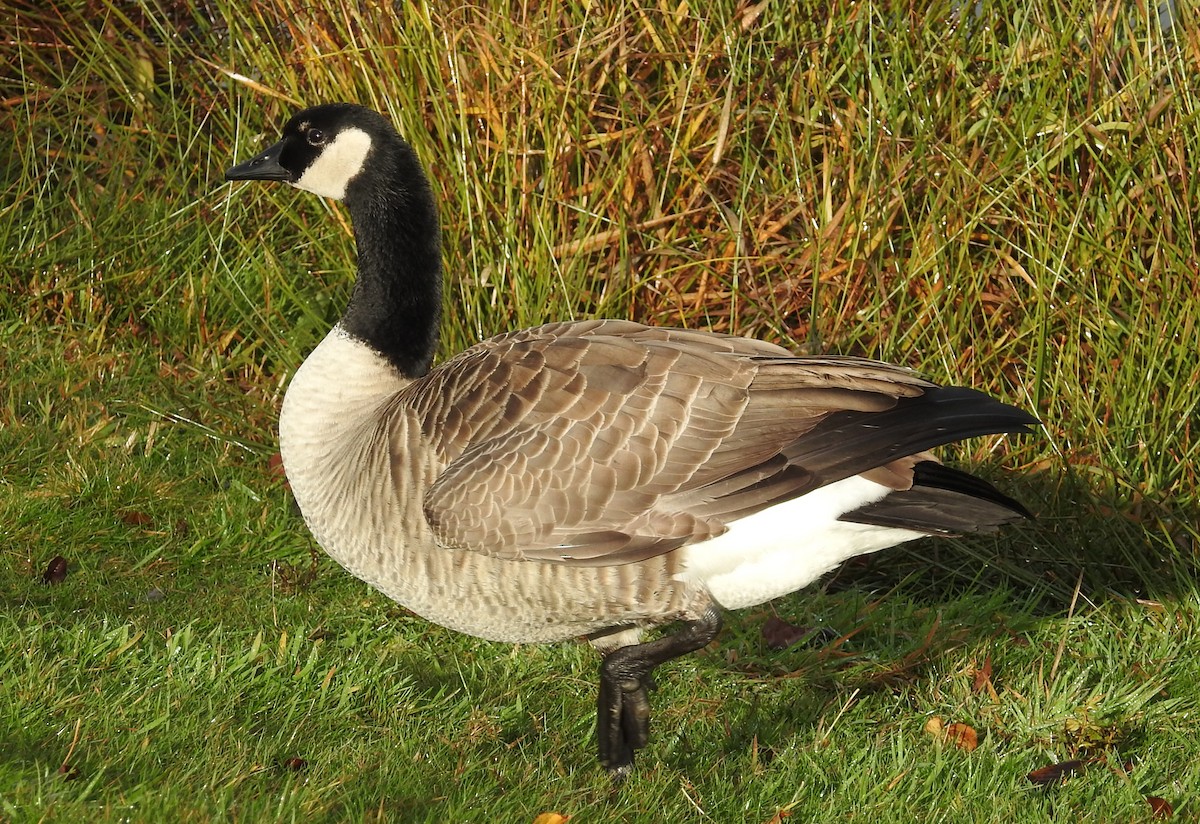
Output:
x=589 y=479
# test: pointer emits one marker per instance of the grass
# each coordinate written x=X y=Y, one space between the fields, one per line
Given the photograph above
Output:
x=1001 y=199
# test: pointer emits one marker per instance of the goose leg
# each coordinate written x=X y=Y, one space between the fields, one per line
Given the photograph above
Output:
x=623 y=710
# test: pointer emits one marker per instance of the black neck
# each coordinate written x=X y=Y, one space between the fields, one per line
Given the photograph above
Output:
x=396 y=303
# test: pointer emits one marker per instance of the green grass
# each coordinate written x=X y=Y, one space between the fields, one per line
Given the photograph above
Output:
x=1003 y=201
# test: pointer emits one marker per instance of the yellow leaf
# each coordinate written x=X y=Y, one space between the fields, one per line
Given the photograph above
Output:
x=934 y=726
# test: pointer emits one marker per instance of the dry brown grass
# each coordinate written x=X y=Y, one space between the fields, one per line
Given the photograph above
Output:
x=1003 y=201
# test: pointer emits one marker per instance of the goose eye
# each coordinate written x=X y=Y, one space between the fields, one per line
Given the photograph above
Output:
x=315 y=137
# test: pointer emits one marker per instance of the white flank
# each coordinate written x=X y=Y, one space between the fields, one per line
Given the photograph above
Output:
x=788 y=546
x=337 y=164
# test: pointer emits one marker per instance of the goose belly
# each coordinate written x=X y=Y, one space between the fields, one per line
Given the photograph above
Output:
x=533 y=602
x=787 y=547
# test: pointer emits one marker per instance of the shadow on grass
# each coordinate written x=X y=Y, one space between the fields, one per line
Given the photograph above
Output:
x=1105 y=548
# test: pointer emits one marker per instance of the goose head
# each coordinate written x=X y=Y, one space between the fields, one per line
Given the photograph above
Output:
x=353 y=154
x=323 y=150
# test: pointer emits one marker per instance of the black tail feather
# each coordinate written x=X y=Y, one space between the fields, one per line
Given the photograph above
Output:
x=848 y=443
x=942 y=501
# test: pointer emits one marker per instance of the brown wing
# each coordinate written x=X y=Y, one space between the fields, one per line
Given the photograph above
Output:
x=607 y=441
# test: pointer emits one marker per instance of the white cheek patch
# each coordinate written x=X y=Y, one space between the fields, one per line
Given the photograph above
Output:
x=338 y=164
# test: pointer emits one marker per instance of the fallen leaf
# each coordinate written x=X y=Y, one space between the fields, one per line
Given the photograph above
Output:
x=935 y=727
x=895 y=782
x=1160 y=807
x=778 y=817
x=56 y=571
x=983 y=676
x=779 y=634
x=962 y=736
x=275 y=467
x=295 y=764
x=551 y=818
x=1052 y=772
x=751 y=14
x=133 y=517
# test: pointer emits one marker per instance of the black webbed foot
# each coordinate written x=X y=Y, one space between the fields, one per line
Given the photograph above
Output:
x=623 y=709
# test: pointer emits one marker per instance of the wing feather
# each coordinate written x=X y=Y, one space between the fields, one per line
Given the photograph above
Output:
x=607 y=442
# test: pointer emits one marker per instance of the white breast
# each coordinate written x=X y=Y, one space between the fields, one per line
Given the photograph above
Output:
x=336 y=465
